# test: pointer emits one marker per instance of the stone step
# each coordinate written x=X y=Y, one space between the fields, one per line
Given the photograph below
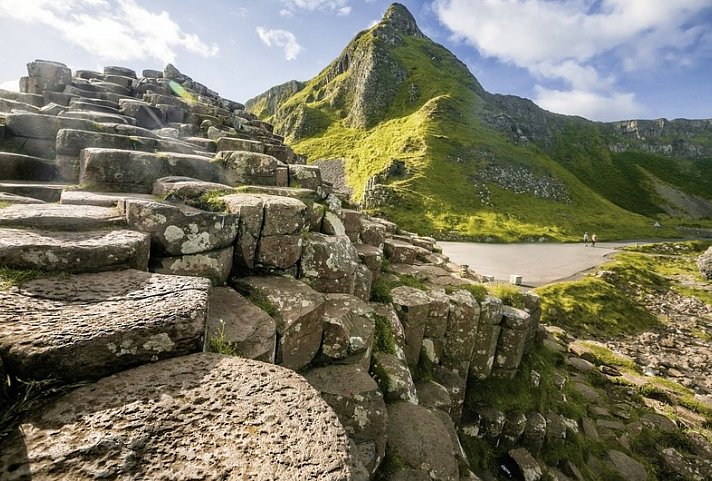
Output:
x=94 y=101
x=31 y=99
x=44 y=191
x=129 y=171
x=99 y=199
x=100 y=117
x=61 y=217
x=70 y=143
x=92 y=107
x=87 y=326
x=74 y=252
x=36 y=134
x=6 y=198
x=26 y=167
x=193 y=417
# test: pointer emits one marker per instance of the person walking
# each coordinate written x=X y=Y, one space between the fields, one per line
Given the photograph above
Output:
x=585 y=239
x=594 y=238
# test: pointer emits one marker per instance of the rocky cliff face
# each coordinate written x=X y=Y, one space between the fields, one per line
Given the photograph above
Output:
x=392 y=74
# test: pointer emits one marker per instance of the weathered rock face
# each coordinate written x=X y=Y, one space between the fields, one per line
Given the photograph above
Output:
x=210 y=416
x=358 y=403
x=412 y=306
x=214 y=265
x=178 y=229
x=298 y=311
x=394 y=378
x=241 y=167
x=91 y=325
x=328 y=263
x=486 y=338
x=348 y=330
x=420 y=440
x=704 y=264
x=234 y=323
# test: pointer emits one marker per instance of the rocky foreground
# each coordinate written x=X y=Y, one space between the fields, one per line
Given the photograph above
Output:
x=146 y=220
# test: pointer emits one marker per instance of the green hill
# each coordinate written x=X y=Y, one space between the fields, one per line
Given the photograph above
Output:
x=425 y=145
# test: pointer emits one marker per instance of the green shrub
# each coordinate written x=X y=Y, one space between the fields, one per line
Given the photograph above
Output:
x=263 y=303
x=510 y=294
x=384 y=339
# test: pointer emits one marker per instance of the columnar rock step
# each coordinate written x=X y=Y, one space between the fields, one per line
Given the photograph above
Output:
x=91 y=325
x=44 y=191
x=61 y=217
x=26 y=167
x=203 y=416
x=74 y=251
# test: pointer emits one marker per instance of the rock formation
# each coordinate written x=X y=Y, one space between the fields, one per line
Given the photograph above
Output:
x=146 y=219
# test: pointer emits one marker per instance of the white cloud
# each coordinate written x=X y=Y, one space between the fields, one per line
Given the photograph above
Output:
x=13 y=85
x=111 y=29
x=340 y=7
x=566 y=40
x=591 y=105
x=281 y=38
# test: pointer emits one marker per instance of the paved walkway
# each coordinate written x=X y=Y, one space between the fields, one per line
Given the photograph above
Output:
x=538 y=264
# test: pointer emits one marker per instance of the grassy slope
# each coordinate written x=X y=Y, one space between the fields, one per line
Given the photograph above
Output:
x=443 y=141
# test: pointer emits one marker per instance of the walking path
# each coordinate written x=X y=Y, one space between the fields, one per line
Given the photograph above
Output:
x=538 y=264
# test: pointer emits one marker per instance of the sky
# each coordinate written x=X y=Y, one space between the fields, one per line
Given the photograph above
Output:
x=601 y=59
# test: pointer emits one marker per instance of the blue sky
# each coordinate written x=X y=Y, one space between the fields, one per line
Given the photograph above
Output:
x=602 y=59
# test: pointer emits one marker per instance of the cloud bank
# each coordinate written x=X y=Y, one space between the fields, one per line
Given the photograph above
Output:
x=120 y=30
x=572 y=47
x=281 y=38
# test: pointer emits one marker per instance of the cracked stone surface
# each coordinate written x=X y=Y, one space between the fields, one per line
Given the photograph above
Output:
x=203 y=416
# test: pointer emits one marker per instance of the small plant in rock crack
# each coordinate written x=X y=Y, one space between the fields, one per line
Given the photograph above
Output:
x=219 y=343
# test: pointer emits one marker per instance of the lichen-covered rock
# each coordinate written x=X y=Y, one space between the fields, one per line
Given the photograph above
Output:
x=332 y=224
x=373 y=234
x=352 y=223
x=241 y=167
x=627 y=467
x=511 y=342
x=412 y=306
x=420 y=441
x=358 y=403
x=483 y=352
x=704 y=264
x=514 y=426
x=534 y=432
x=61 y=217
x=214 y=265
x=491 y=423
x=370 y=256
x=392 y=323
x=250 y=211
x=328 y=263
x=186 y=188
x=437 y=322
x=298 y=311
x=399 y=252
x=348 y=330
x=455 y=386
x=236 y=324
x=45 y=75
x=462 y=325
x=177 y=229
x=394 y=378
x=528 y=466
x=304 y=176
x=433 y=396
x=203 y=416
x=229 y=143
x=91 y=325
x=74 y=252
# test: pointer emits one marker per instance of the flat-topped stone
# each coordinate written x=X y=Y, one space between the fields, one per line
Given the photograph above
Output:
x=203 y=416
x=18 y=199
x=74 y=252
x=128 y=171
x=91 y=325
x=44 y=191
x=25 y=167
x=298 y=313
x=99 y=199
x=185 y=188
x=60 y=217
x=100 y=117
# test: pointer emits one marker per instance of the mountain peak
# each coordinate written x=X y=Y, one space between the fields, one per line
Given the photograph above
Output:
x=398 y=17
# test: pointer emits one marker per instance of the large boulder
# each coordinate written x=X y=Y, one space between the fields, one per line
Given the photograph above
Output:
x=245 y=168
x=91 y=325
x=46 y=75
x=298 y=311
x=270 y=229
x=214 y=265
x=704 y=264
x=203 y=416
x=462 y=324
x=328 y=263
x=237 y=325
x=348 y=330
x=358 y=403
x=420 y=441
x=394 y=378
x=177 y=229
